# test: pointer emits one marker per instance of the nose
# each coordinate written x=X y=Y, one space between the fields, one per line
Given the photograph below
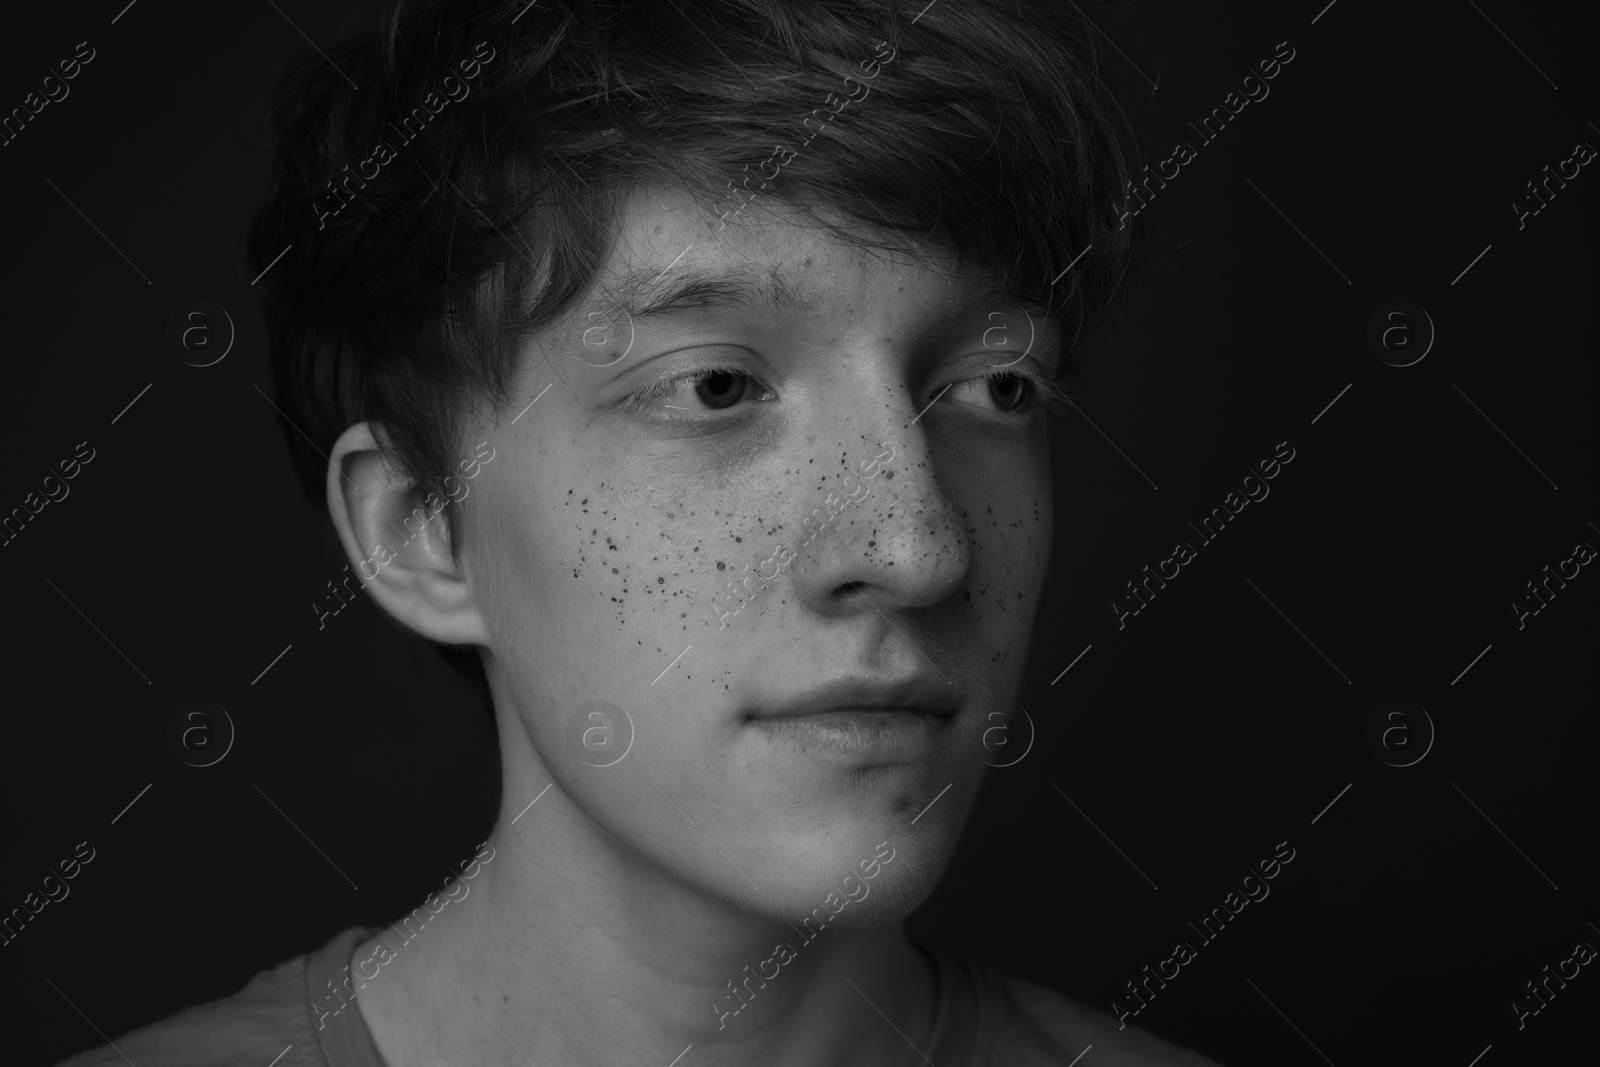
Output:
x=886 y=535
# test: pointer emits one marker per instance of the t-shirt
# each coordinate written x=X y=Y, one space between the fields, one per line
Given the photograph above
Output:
x=983 y=1019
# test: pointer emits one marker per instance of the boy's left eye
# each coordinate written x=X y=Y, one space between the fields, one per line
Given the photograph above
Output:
x=1007 y=392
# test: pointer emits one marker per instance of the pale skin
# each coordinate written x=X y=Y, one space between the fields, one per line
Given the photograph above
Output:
x=617 y=908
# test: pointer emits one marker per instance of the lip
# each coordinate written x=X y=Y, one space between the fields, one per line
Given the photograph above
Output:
x=863 y=722
x=920 y=694
x=860 y=736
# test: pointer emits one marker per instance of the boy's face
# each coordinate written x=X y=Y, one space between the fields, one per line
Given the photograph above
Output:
x=606 y=536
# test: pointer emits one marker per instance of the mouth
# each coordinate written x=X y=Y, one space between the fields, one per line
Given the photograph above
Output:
x=918 y=693
x=862 y=722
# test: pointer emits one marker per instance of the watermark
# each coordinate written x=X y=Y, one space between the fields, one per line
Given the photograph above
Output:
x=1184 y=552
x=38 y=899
x=782 y=155
x=1183 y=952
x=1567 y=569
x=1254 y=89
x=12 y=524
x=52 y=89
x=200 y=333
x=784 y=953
x=603 y=338
x=815 y=523
x=1033 y=335
x=384 y=953
x=600 y=733
x=1552 y=982
x=411 y=127
x=1568 y=168
x=1400 y=333
x=1005 y=750
x=200 y=733
x=1400 y=733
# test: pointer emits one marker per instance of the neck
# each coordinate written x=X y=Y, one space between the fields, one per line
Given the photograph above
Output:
x=571 y=948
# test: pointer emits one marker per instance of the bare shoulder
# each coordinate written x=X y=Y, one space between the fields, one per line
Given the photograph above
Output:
x=1054 y=1029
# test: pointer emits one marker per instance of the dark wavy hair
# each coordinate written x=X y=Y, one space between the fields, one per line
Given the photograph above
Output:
x=412 y=271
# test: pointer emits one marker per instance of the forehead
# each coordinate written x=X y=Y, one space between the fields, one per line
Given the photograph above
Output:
x=670 y=256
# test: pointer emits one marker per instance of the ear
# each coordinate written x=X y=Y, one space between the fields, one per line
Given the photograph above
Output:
x=399 y=546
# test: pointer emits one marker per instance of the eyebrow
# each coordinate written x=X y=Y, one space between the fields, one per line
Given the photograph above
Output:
x=696 y=289
x=973 y=297
x=752 y=288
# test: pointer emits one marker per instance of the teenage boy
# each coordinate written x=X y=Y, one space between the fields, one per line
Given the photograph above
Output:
x=758 y=306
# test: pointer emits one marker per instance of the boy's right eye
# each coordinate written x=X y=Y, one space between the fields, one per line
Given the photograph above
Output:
x=701 y=392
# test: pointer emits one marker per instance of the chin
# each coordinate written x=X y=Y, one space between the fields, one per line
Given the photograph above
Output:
x=888 y=904
x=861 y=902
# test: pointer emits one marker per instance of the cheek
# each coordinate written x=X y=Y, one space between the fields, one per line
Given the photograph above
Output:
x=609 y=561
x=637 y=568
x=1010 y=523
x=608 y=583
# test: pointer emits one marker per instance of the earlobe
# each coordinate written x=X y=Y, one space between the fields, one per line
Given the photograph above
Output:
x=420 y=582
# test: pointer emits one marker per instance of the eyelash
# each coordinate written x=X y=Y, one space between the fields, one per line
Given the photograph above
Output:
x=638 y=400
x=1046 y=394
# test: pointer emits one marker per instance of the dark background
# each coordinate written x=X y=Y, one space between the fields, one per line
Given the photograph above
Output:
x=1196 y=738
